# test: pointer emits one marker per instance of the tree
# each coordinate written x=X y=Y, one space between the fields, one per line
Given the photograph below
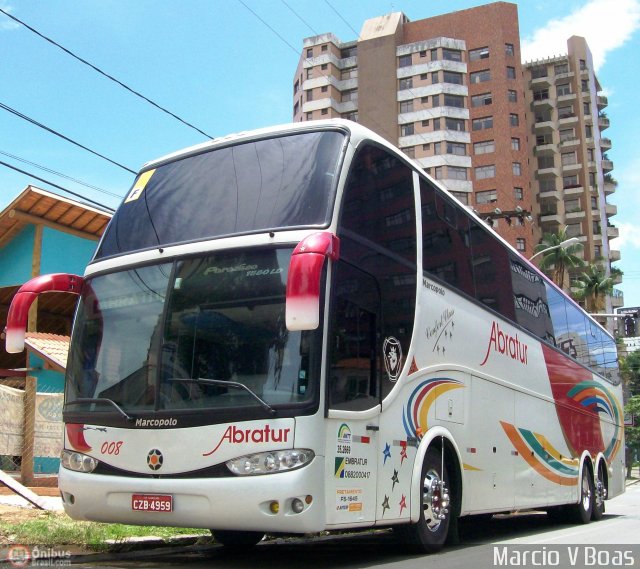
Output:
x=630 y=372
x=632 y=434
x=557 y=261
x=593 y=286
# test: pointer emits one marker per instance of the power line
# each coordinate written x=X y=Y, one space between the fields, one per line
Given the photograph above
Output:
x=110 y=77
x=104 y=207
x=340 y=16
x=300 y=17
x=38 y=124
x=270 y=27
x=45 y=169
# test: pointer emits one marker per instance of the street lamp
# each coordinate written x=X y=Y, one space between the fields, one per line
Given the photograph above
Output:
x=563 y=245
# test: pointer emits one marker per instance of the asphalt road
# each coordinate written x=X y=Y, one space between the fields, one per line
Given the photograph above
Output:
x=517 y=540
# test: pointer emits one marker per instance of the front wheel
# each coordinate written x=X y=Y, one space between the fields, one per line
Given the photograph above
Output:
x=230 y=538
x=429 y=534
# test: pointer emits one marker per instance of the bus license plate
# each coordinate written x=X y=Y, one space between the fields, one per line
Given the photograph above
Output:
x=152 y=502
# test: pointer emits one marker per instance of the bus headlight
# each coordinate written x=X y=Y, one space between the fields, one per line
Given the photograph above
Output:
x=77 y=461
x=270 y=462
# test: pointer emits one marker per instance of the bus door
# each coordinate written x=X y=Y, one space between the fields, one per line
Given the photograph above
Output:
x=353 y=396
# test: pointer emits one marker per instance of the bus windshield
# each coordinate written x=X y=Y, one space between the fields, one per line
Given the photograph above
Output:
x=206 y=332
x=260 y=185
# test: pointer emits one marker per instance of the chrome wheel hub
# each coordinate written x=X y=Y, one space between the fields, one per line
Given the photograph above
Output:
x=435 y=500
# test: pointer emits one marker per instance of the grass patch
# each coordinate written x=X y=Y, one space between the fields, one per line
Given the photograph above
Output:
x=58 y=529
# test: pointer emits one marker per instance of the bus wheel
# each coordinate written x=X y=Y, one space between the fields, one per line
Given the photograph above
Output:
x=581 y=512
x=430 y=532
x=230 y=538
x=600 y=493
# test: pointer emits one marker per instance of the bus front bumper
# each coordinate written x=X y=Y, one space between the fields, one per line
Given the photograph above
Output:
x=233 y=503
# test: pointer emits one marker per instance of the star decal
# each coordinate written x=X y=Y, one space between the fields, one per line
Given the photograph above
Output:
x=403 y=452
x=403 y=503
x=386 y=452
x=385 y=505
x=394 y=479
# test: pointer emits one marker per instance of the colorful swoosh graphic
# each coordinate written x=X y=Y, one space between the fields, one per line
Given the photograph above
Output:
x=414 y=415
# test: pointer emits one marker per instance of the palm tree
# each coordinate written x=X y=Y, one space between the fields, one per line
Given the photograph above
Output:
x=558 y=260
x=593 y=286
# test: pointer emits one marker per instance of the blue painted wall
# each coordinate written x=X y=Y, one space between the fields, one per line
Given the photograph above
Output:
x=15 y=258
x=65 y=253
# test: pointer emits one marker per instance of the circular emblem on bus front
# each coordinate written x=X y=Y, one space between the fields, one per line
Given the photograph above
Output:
x=154 y=459
x=392 y=351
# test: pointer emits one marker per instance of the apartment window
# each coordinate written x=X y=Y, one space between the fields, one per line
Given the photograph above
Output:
x=586 y=108
x=324 y=88
x=406 y=83
x=482 y=123
x=352 y=116
x=583 y=65
x=324 y=112
x=424 y=100
x=480 y=76
x=296 y=108
x=435 y=100
x=324 y=66
x=484 y=147
x=572 y=206
x=541 y=95
x=438 y=172
x=588 y=131
x=437 y=148
x=481 y=100
x=592 y=179
x=509 y=49
x=511 y=72
x=546 y=162
x=324 y=48
x=436 y=123
x=547 y=184
x=451 y=54
x=309 y=116
x=567 y=134
x=351 y=95
x=512 y=96
x=516 y=168
x=425 y=122
x=349 y=52
x=423 y=53
x=434 y=55
x=452 y=77
x=543 y=139
x=456 y=148
x=591 y=154
x=574 y=230
x=570 y=181
x=538 y=71
x=410 y=151
x=489 y=196
x=518 y=194
x=564 y=89
x=521 y=244
x=310 y=95
x=454 y=124
x=462 y=197
x=435 y=77
x=565 y=112
x=515 y=144
x=424 y=77
x=350 y=73
x=561 y=68
x=406 y=129
x=406 y=106
x=479 y=53
x=544 y=116
x=296 y=87
x=569 y=158
x=484 y=172
x=597 y=251
x=310 y=52
x=404 y=60
x=310 y=73
x=453 y=101
x=456 y=173
x=584 y=85
x=514 y=120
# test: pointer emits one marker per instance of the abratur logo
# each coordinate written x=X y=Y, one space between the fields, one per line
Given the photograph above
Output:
x=235 y=435
x=506 y=345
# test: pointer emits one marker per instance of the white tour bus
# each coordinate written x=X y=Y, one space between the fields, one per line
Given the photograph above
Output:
x=295 y=329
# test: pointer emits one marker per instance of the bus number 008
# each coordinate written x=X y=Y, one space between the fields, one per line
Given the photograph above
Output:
x=111 y=448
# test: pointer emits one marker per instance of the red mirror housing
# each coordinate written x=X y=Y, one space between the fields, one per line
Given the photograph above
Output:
x=19 y=310
x=303 y=280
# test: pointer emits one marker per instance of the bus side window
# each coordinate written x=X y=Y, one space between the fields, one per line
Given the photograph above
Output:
x=353 y=376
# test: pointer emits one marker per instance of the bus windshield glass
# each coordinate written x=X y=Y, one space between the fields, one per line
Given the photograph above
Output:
x=267 y=184
x=201 y=333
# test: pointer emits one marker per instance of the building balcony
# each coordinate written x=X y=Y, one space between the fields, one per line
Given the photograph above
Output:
x=545 y=126
x=541 y=82
x=609 y=188
x=567 y=97
x=569 y=143
x=603 y=122
x=614 y=255
x=552 y=196
x=542 y=104
x=595 y=214
x=567 y=120
x=457 y=185
x=545 y=150
x=605 y=143
x=548 y=172
x=571 y=168
x=551 y=218
x=575 y=215
x=602 y=102
x=573 y=191
x=607 y=165
x=611 y=209
x=613 y=232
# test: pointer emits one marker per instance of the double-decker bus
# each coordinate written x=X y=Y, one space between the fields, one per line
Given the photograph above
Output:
x=295 y=330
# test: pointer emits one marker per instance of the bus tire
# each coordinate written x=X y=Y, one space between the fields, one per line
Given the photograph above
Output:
x=231 y=538
x=429 y=533
x=581 y=512
x=600 y=492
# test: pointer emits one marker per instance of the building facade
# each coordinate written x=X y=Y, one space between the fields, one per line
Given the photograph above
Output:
x=448 y=91
x=568 y=153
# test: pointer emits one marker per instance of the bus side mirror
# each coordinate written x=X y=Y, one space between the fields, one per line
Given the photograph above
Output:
x=23 y=299
x=303 y=280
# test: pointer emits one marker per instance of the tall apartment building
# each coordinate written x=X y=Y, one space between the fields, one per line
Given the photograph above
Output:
x=568 y=152
x=448 y=91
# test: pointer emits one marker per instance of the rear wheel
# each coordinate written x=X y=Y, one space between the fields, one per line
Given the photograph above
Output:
x=581 y=512
x=430 y=532
x=230 y=538
x=600 y=492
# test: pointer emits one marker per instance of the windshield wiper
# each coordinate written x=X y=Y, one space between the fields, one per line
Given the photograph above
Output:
x=223 y=383
x=99 y=400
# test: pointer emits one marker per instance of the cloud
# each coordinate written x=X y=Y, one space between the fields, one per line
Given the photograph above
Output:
x=6 y=23
x=629 y=236
x=606 y=25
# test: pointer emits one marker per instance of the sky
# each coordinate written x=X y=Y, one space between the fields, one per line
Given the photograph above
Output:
x=227 y=65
